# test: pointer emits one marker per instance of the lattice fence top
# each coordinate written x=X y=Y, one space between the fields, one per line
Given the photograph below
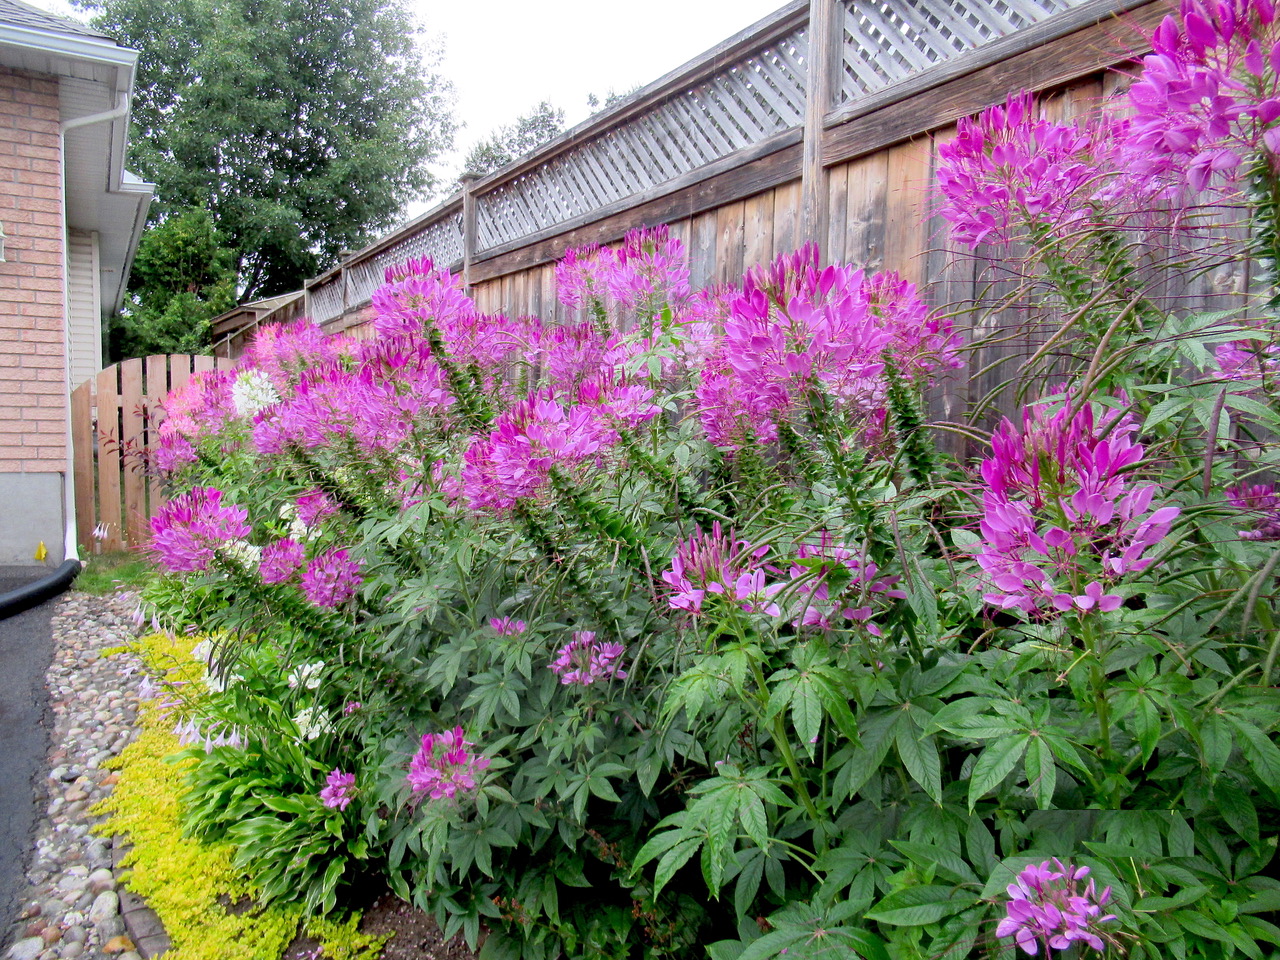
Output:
x=722 y=109
x=746 y=102
x=887 y=41
x=441 y=240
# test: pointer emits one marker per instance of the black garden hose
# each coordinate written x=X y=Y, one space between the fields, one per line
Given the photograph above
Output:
x=24 y=598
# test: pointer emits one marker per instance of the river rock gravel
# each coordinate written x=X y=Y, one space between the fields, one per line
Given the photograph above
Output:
x=70 y=907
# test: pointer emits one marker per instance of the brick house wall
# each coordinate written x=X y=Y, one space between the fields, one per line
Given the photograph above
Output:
x=33 y=390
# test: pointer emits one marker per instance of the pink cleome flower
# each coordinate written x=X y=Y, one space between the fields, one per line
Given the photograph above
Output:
x=331 y=578
x=1049 y=908
x=717 y=564
x=338 y=792
x=187 y=531
x=280 y=561
x=584 y=660
x=444 y=766
x=1262 y=502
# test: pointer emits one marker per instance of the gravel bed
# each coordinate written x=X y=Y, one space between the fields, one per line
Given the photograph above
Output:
x=70 y=907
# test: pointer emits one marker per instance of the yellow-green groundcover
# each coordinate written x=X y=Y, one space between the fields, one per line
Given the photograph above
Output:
x=190 y=884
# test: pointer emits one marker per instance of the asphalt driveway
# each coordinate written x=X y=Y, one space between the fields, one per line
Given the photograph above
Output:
x=26 y=646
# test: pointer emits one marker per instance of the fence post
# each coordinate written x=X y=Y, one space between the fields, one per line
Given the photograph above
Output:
x=468 y=224
x=824 y=46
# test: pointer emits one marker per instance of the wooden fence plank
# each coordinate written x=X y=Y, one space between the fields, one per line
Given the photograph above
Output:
x=867 y=189
x=904 y=216
x=758 y=229
x=82 y=464
x=133 y=481
x=157 y=388
x=834 y=247
x=786 y=217
x=109 y=508
x=729 y=229
x=702 y=250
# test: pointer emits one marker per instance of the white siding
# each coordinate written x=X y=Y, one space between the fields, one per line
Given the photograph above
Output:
x=84 y=307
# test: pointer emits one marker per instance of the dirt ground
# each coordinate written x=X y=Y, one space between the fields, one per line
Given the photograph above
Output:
x=415 y=935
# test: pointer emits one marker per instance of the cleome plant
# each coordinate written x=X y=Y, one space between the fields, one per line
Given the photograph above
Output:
x=677 y=631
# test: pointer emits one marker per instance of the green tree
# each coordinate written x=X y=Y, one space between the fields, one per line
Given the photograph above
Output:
x=183 y=277
x=303 y=126
x=509 y=143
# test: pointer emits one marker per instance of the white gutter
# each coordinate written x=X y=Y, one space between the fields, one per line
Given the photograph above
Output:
x=70 y=547
x=119 y=110
x=68 y=45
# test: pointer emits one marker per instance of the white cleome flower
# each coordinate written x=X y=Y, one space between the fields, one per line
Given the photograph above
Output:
x=253 y=391
x=312 y=722
x=244 y=553
x=307 y=675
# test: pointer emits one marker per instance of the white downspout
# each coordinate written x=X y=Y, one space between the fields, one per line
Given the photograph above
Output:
x=71 y=549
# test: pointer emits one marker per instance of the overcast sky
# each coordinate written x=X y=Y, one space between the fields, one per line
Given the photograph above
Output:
x=504 y=56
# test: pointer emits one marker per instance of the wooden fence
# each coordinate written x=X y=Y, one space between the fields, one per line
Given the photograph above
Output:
x=818 y=123
x=114 y=418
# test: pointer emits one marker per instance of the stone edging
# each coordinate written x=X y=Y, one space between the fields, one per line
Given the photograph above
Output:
x=141 y=922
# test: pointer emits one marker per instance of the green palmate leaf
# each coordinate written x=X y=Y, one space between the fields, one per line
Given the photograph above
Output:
x=1042 y=772
x=673 y=860
x=1217 y=743
x=806 y=715
x=1262 y=754
x=949 y=865
x=1237 y=810
x=919 y=754
x=918 y=906
x=994 y=764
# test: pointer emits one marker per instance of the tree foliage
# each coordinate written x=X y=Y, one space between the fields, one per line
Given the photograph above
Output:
x=183 y=276
x=303 y=127
x=509 y=143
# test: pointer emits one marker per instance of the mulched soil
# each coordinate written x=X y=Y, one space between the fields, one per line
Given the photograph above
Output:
x=415 y=935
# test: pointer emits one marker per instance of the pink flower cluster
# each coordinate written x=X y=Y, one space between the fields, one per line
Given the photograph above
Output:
x=1262 y=503
x=1061 y=518
x=795 y=329
x=280 y=561
x=718 y=564
x=331 y=578
x=445 y=766
x=187 y=531
x=822 y=610
x=1050 y=908
x=201 y=407
x=1207 y=99
x=649 y=268
x=338 y=790
x=584 y=660
x=1008 y=168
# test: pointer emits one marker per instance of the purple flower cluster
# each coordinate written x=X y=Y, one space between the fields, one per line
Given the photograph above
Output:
x=1061 y=517
x=648 y=269
x=331 y=578
x=718 y=564
x=1206 y=101
x=1262 y=503
x=445 y=766
x=822 y=610
x=187 y=531
x=280 y=561
x=1008 y=168
x=795 y=329
x=584 y=660
x=338 y=790
x=1049 y=908
x=507 y=627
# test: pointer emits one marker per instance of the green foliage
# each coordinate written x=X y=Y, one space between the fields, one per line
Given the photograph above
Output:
x=509 y=143
x=106 y=573
x=191 y=884
x=302 y=128
x=182 y=278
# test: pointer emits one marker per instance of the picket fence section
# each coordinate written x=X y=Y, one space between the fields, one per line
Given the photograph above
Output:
x=114 y=421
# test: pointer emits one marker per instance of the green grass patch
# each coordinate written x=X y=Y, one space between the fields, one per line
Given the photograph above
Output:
x=108 y=572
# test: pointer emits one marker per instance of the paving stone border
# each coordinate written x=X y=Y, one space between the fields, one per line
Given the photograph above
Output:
x=73 y=906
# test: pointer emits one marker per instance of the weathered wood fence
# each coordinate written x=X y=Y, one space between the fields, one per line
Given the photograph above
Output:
x=114 y=419
x=818 y=123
